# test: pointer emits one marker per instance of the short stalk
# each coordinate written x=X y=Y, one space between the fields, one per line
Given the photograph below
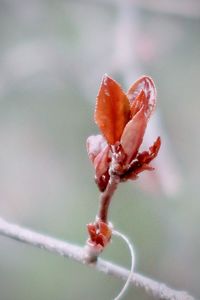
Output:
x=105 y=198
x=93 y=251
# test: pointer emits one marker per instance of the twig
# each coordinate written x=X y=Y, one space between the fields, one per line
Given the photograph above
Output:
x=106 y=197
x=151 y=287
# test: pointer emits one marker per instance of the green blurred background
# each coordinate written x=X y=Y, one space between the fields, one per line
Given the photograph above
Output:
x=52 y=57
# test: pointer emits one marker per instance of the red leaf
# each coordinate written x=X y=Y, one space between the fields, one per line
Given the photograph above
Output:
x=102 y=181
x=155 y=148
x=92 y=231
x=99 y=233
x=140 y=100
x=112 y=110
x=146 y=84
x=144 y=167
x=146 y=157
x=133 y=134
x=101 y=162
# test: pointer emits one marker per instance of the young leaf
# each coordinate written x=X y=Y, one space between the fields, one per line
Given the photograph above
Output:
x=112 y=110
x=146 y=84
x=147 y=156
x=140 y=100
x=133 y=134
x=101 y=162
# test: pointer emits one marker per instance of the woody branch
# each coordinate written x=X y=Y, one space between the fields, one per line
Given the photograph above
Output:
x=153 y=288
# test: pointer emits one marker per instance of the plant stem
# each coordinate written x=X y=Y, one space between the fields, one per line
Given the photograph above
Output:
x=105 y=198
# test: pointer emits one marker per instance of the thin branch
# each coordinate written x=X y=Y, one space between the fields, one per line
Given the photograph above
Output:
x=106 y=197
x=151 y=287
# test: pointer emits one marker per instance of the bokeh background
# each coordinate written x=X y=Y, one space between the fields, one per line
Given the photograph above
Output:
x=52 y=57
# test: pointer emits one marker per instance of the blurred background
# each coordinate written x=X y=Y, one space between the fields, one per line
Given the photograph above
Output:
x=53 y=55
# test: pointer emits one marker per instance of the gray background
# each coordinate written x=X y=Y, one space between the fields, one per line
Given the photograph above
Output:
x=52 y=57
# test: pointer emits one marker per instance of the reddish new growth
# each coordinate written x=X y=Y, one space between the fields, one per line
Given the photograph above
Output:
x=122 y=119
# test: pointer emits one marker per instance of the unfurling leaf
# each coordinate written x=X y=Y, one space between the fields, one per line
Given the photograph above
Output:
x=112 y=110
x=133 y=134
x=146 y=85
